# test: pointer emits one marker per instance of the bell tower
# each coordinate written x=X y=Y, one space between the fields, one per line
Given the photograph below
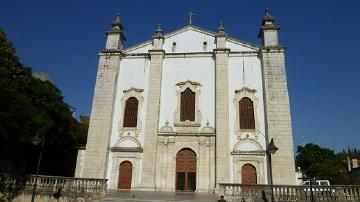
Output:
x=276 y=99
x=100 y=127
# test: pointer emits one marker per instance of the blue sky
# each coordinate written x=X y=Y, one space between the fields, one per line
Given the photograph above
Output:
x=322 y=37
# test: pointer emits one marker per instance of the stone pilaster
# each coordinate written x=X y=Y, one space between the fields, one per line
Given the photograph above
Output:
x=97 y=146
x=276 y=100
x=278 y=118
x=170 y=167
x=152 y=112
x=221 y=54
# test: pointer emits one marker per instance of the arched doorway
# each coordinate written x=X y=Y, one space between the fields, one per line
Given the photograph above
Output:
x=248 y=174
x=125 y=175
x=186 y=170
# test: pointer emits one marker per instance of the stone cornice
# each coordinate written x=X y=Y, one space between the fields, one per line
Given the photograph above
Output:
x=270 y=27
x=158 y=37
x=191 y=54
x=157 y=52
x=255 y=153
x=126 y=149
x=111 y=52
x=278 y=48
x=221 y=50
x=221 y=34
x=197 y=134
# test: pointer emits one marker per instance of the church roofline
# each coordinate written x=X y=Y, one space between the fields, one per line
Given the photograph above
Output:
x=197 y=28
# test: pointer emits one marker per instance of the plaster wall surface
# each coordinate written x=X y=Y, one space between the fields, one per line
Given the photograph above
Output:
x=198 y=69
x=133 y=74
x=245 y=71
x=190 y=39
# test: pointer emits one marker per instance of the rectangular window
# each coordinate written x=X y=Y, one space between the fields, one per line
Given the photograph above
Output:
x=187 y=105
x=131 y=112
x=246 y=110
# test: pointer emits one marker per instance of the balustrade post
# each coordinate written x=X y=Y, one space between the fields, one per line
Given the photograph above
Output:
x=222 y=190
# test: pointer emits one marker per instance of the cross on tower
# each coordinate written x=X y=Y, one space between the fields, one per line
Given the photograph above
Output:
x=190 y=14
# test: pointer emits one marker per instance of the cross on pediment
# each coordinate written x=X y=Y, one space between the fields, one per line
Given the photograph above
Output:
x=190 y=14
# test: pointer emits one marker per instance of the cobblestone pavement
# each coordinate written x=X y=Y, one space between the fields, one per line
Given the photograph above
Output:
x=142 y=196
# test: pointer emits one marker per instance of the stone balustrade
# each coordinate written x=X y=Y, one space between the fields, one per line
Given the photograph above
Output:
x=240 y=192
x=68 y=186
x=49 y=188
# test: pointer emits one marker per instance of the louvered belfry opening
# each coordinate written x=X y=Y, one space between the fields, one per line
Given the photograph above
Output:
x=187 y=105
x=131 y=112
x=246 y=110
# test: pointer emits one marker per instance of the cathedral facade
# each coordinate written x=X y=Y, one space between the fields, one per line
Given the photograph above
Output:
x=189 y=109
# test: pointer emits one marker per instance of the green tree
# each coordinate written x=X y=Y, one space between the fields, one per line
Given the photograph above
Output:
x=321 y=163
x=29 y=106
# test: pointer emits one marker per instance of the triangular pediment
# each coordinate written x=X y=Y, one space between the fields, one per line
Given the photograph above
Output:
x=191 y=39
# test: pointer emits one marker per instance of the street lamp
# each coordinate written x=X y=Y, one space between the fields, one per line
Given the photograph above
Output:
x=271 y=149
x=36 y=140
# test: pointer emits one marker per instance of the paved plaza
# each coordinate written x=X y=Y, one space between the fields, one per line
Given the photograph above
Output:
x=142 y=196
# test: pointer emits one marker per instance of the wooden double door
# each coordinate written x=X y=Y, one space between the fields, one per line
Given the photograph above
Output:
x=248 y=174
x=186 y=170
x=125 y=175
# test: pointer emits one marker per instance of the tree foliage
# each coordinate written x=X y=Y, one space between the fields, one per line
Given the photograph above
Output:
x=29 y=106
x=321 y=163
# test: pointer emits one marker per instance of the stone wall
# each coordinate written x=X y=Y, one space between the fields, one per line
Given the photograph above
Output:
x=97 y=146
x=277 y=113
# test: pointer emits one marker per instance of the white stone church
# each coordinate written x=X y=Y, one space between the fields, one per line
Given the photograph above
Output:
x=189 y=109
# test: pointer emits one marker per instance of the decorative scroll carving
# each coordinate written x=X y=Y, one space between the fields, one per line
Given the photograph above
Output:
x=193 y=83
x=246 y=89
x=138 y=90
x=207 y=128
x=166 y=128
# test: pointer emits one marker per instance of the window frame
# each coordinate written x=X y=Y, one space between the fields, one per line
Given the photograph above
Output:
x=132 y=131
x=187 y=100
x=239 y=94
x=127 y=122
x=194 y=87
x=246 y=120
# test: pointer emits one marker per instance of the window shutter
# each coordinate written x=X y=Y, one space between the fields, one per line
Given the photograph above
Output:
x=246 y=110
x=131 y=112
x=187 y=105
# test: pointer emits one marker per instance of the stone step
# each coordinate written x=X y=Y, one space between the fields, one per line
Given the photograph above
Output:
x=143 y=196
